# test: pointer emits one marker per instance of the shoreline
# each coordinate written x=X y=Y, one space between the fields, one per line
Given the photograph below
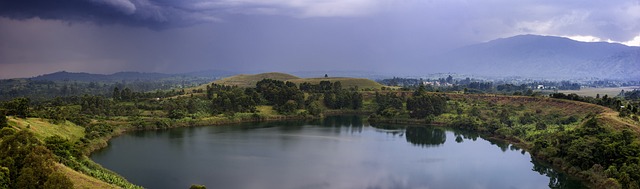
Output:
x=405 y=122
x=102 y=141
x=585 y=180
x=482 y=127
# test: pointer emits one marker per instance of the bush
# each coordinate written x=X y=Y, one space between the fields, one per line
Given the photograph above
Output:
x=314 y=108
x=196 y=186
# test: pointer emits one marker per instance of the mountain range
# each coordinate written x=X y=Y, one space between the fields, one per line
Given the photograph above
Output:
x=127 y=76
x=542 y=57
x=527 y=56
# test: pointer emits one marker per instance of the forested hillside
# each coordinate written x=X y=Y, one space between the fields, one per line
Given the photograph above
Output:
x=563 y=130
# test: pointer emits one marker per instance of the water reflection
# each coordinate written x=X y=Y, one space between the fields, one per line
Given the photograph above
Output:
x=339 y=121
x=334 y=152
x=466 y=135
x=504 y=146
x=425 y=136
x=350 y=124
x=556 y=180
x=459 y=139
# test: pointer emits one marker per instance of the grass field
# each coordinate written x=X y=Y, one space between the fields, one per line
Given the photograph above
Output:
x=592 y=92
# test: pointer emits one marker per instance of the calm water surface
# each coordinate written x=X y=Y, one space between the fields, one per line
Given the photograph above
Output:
x=338 y=152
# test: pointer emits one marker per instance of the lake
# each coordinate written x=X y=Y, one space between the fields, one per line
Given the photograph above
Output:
x=337 y=152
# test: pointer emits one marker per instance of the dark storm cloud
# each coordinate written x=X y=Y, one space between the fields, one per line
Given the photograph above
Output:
x=161 y=14
x=147 y=13
x=40 y=36
x=618 y=20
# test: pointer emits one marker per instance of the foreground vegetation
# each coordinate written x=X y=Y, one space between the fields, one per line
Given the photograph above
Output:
x=581 y=136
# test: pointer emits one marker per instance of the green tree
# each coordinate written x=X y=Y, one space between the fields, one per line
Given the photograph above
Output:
x=177 y=113
x=127 y=94
x=14 y=148
x=116 y=94
x=314 y=108
x=356 y=100
x=3 y=120
x=40 y=161
x=421 y=106
x=18 y=107
x=337 y=85
x=278 y=93
x=288 y=108
x=388 y=104
x=61 y=147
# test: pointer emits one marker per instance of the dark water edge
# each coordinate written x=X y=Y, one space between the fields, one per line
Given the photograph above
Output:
x=336 y=152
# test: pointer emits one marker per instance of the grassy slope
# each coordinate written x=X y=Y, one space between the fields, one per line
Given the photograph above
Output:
x=81 y=180
x=610 y=118
x=592 y=92
x=248 y=80
x=42 y=129
x=346 y=82
x=547 y=106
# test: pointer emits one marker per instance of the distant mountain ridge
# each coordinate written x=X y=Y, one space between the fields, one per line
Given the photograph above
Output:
x=127 y=76
x=89 y=77
x=543 y=56
x=526 y=56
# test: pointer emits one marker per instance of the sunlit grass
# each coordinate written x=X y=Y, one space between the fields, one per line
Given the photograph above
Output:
x=43 y=128
x=81 y=180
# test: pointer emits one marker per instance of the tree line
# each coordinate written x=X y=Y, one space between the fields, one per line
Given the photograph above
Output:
x=419 y=105
x=41 y=90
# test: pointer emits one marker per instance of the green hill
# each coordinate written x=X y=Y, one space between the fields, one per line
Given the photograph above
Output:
x=250 y=80
x=346 y=82
x=243 y=80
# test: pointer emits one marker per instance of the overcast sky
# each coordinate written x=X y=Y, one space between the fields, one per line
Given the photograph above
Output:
x=171 y=36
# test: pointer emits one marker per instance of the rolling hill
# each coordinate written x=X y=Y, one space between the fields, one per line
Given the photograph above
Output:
x=250 y=80
x=346 y=82
x=89 y=77
x=542 y=56
x=126 y=76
